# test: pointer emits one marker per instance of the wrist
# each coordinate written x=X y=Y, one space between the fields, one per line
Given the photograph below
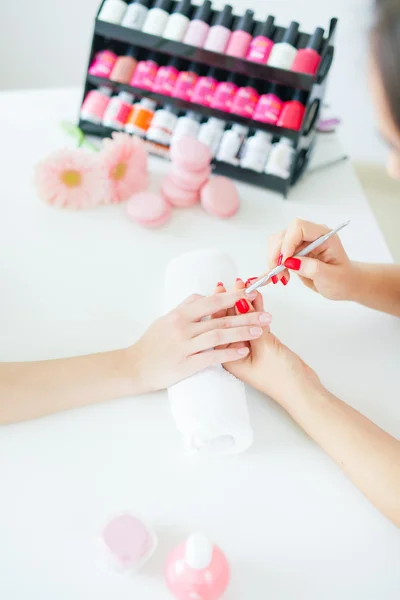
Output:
x=356 y=282
x=305 y=398
x=131 y=371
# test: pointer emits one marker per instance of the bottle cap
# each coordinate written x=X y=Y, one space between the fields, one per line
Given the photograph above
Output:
x=251 y=83
x=106 y=91
x=233 y=78
x=266 y=29
x=217 y=122
x=274 y=89
x=193 y=116
x=176 y=63
x=300 y=96
x=214 y=73
x=203 y=13
x=143 y=2
x=225 y=17
x=241 y=129
x=133 y=52
x=163 y=5
x=184 y=7
x=149 y=104
x=291 y=34
x=198 y=552
x=153 y=57
x=170 y=108
x=246 y=22
x=126 y=97
x=194 y=68
x=315 y=41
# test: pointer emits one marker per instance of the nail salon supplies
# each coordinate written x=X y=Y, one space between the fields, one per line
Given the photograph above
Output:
x=162 y=126
x=308 y=59
x=166 y=78
x=262 y=44
x=205 y=87
x=255 y=151
x=188 y=125
x=136 y=14
x=113 y=11
x=280 y=159
x=220 y=32
x=118 y=111
x=103 y=64
x=129 y=542
x=246 y=100
x=283 y=54
x=225 y=94
x=186 y=82
x=148 y=209
x=219 y=197
x=178 y=22
x=140 y=117
x=197 y=31
x=210 y=134
x=125 y=67
x=190 y=154
x=293 y=112
x=231 y=143
x=269 y=107
x=145 y=73
x=157 y=18
x=95 y=104
x=240 y=40
x=210 y=408
x=197 y=569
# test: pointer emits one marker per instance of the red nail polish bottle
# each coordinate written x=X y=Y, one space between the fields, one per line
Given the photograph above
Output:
x=293 y=112
x=308 y=59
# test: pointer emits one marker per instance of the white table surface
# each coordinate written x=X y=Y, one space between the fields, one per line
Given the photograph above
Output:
x=291 y=524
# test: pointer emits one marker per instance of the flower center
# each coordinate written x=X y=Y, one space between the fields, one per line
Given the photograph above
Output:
x=71 y=178
x=119 y=171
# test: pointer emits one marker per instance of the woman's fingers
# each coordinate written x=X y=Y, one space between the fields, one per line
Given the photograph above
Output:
x=211 y=305
x=212 y=358
x=297 y=234
x=219 y=337
x=256 y=319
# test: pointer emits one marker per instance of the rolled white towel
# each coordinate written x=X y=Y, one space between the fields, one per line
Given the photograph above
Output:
x=209 y=408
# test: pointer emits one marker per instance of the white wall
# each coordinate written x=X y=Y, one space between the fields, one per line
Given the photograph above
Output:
x=45 y=43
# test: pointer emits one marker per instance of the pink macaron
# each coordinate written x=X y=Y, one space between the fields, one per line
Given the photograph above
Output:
x=177 y=196
x=220 y=198
x=190 y=154
x=148 y=209
x=192 y=181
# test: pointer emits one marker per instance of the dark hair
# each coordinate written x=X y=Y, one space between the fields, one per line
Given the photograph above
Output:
x=386 y=47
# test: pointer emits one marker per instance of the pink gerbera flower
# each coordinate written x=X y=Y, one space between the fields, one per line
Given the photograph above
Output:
x=124 y=161
x=71 y=178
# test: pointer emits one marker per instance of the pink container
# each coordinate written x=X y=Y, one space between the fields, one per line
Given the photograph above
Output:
x=240 y=40
x=197 y=570
x=186 y=83
x=262 y=44
x=166 y=80
x=245 y=101
x=224 y=95
x=103 y=64
x=95 y=105
x=145 y=74
x=205 y=89
x=199 y=27
x=269 y=108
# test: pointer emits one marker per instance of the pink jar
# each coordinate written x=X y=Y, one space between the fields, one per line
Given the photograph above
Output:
x=145 y=73
x=166 y=78
x=224 y=94
x=103 y=64
x=205 y=88
x=269 y=107
x=246 y=100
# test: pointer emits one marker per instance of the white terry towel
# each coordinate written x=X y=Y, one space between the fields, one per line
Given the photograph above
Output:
x=209 y=408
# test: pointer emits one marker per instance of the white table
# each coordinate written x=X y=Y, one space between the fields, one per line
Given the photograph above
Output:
x=293 y=527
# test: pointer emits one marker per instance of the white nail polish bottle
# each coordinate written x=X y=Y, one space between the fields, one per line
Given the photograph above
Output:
x=230 y=145
x=178 y=22
x=157 y=18
x=283 y=54
x=188 y=125
x=255 y=151
x=280 y=159
x=136 y=14
x=210 y=134
x=162 y=126
x=112 y=11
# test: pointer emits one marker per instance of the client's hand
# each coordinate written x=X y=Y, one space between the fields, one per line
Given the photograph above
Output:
x=181 y=343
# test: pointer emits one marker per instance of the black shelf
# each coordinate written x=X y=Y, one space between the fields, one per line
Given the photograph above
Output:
x=198 y=108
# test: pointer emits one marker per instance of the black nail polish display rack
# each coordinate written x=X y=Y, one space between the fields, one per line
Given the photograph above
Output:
x=120 y=38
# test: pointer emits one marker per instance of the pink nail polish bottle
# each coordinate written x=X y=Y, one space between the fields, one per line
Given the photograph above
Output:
x=246 y=100
x=103 y=64
x=186 y=82
x=205 y=87
x=220 y=32
x=262 y=44
x=270 y=106
x=224 y=94
x=145 y=73
x=198 y=29
x=95 y=104
x=240 y=40
x=166 y=78
x=197 y=570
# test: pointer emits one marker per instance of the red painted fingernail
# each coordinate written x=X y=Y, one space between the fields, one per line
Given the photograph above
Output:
x=238 y=279
x=250 y=281
x=293 y=263
x=280 y=260
x=242 y=306
x=284 y=280
x=220 y=284
x=274 y=280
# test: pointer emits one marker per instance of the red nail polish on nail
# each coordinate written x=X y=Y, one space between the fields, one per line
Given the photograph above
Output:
x=293 y=263
x=274 y=279
x=238 y=279
x=220 y=284
x=242 y=306
x=284 y=280
x=280 y=260
x=250 y=281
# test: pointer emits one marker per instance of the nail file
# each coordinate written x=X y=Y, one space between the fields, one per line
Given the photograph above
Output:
x=304 y=252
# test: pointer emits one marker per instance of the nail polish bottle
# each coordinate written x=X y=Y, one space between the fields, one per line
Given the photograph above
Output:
x=283 y=54
x=270 y=106
x=125 y=67
x=140 y=117
x=112 y=11
x=225 y=93
x=280 y=159
x=231 y=143
x=178 y=22
x=118 y=111
x=240 y=40
x=136 y=14
x=210 y=134
x=166 y=77
x=308 y=59
x=293 y=112
x=145 y=73
x=197 y=569
x=246 y=100
x=188 y=125
x=162 y=126
x=205 y=87
x=103 y=64
x=262 y=44
x=186 y=82
x=220 y=32
x=198 y=29
x=255 y=152
x=157 y=18
x=95 y=104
